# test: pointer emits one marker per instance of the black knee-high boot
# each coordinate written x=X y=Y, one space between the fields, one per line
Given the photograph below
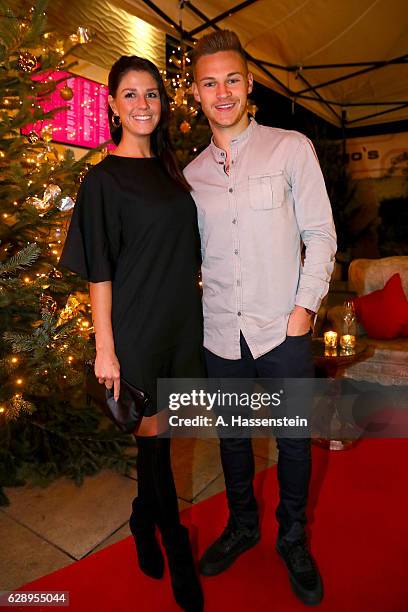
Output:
x=158 y=485
x=143 y=520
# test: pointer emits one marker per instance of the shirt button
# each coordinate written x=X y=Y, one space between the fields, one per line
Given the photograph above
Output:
x=238 y=283
x=230 y=190
x=236 y=251
x=239 y=313
x=234 y=221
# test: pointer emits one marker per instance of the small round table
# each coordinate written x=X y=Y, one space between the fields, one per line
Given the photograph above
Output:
x=331 y=363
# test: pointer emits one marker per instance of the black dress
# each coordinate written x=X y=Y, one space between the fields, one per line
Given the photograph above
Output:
x=133 y=225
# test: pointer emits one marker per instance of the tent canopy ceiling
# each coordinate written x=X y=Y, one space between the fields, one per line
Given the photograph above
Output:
x=345 y=60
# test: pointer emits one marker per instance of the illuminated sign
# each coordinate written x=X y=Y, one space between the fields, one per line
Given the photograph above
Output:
x=372 y=156
x=85 y=121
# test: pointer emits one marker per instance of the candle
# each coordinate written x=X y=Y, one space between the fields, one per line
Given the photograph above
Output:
x=330 y=339
x=348 y=341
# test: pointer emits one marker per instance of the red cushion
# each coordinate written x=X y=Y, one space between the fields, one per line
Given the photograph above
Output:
x=384 y=313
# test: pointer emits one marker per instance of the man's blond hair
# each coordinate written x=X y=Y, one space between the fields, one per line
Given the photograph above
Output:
x=220 y=40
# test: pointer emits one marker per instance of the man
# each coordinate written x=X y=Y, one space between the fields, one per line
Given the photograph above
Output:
x=260 y=194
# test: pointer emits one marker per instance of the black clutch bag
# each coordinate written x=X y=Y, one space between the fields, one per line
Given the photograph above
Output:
x=127 y=412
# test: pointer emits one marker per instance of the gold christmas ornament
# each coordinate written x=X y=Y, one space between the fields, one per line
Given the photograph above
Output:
x=185 y=127
x=69 y=310
x=59 y=47
x=66 y=93
x=72 y=303
x=33 y=137
x=38 y=203
x=48 y=303
x=27 y=62
x=54 y=274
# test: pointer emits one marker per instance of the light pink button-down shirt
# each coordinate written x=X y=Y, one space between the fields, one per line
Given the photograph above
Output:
x=252 y=224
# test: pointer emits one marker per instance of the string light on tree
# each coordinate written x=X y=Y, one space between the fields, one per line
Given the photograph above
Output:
x=179 y=81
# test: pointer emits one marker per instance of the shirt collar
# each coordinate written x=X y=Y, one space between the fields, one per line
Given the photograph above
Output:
x=220 y=154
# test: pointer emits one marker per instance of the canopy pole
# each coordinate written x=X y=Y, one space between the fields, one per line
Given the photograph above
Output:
x=385 y=112
x=319 y=97
x=161 y=14
x=227 y=13
x=377 y=66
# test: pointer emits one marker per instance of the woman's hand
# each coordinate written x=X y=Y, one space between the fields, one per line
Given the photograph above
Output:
x=299 y=322
x=107 y=370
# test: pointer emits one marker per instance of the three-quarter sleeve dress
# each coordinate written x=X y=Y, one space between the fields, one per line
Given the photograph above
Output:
x=134 y=226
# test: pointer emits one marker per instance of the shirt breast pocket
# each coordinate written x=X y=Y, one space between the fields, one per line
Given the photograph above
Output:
x=266 y=191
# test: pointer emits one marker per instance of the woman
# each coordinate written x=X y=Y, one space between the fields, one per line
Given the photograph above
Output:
x=134 y=236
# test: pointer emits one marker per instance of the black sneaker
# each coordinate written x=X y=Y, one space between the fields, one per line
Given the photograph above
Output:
x=304 y=576
x=222 y=553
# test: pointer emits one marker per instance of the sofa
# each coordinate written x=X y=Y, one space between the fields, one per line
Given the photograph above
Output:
x=384 y=361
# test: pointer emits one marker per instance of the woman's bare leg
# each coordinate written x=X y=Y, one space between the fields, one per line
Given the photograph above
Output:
x=153 y=425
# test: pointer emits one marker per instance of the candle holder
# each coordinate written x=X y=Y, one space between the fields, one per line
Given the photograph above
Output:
x=348 y=342
x=330 y=339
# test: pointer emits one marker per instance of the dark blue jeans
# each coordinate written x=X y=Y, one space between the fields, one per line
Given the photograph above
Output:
x=291 y=359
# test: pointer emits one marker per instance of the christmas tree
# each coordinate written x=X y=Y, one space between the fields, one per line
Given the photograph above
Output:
x=189 y=129
x=47 y=426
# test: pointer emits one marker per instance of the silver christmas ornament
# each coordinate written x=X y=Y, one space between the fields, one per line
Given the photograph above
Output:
x=65 y=204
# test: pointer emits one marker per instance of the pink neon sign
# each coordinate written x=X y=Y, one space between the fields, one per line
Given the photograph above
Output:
x=85 y=122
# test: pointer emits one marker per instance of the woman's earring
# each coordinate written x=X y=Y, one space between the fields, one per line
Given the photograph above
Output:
x=116 y=121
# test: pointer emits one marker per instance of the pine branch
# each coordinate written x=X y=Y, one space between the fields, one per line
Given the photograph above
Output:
x=21 y=260
x=18 y=407
x=19 y=342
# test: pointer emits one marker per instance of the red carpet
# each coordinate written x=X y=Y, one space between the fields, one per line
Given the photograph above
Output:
x=359 y=518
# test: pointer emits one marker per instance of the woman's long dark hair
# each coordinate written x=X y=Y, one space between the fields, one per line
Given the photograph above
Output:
x=160 y=138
